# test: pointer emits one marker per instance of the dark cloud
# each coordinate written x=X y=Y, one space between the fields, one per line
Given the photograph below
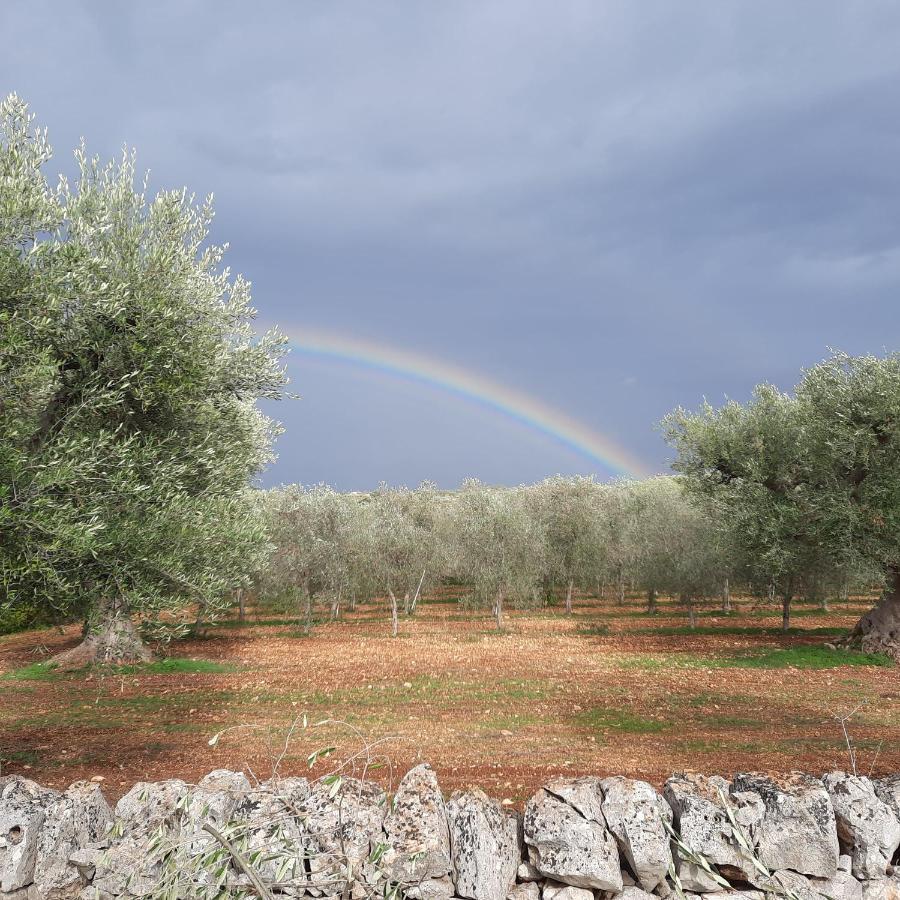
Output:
x=617 y=207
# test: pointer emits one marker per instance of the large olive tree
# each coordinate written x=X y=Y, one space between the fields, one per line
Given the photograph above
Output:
x=129 y=375
x=811 y=475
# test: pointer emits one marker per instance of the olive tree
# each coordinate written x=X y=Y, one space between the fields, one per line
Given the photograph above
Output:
x=499 y=547
x=813 y=475
x=403 y=543
x=566 y=510
x=310 y=532
x=129 y=375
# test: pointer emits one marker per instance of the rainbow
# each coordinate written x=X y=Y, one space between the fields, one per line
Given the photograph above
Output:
x=470 y=386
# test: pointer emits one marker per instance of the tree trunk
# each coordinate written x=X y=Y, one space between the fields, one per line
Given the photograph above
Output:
x=651 y=602
x=242 y=609
x=620 y=598
x=415 y=600
x=407 y=606
x=600 y=590
x=878 y=631
x=692 y=613
x=110 y=638
x=569 y=598
x=726 y=597
x=395 y=619
x=786 y=598
x=307 y=609
x=498 y=609
x=772 y=592
x=336 y=606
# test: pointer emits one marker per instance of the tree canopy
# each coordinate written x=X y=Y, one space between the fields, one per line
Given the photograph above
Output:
x=129 y=375
x=810 y=479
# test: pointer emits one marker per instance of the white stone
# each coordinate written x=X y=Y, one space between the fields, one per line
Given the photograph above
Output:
x=567 y=837
x=417 y=830
x=866 y=824
x=634 y=813
x=797 y=830
x=485 y=849
x=554 y=890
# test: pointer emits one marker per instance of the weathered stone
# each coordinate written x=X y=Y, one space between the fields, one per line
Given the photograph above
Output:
x=633 y=892
x=431 y=889
x=554 y=890
x=270 y=815
x=881 y=889
x=79 y=818
x=528 y=890
x=148 y=805
x=341 y=822
x=888 y=791
x=797 y=830
x=845 y=863
x=128 y=865
x=528 y=872
x=567 y=837
x=733 y=895
x=417 y=831
x=867 y=826
x=841 y=886
x=705 y=828
x=484 y=842
x=634 y=814
x=23 y=811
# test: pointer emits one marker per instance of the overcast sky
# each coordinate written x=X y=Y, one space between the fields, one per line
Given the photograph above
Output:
x=615 y=207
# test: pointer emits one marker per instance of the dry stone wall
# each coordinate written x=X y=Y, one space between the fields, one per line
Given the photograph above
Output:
x=701 y=838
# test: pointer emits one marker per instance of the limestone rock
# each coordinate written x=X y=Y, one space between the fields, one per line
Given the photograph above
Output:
x=23 y=811
x=554 y=890
x=528 y=872
x=881 y=889
x=127 y=865
x=528 y=890
x=888 y=791
x=841 y=886
x=567 y=837
x=633 y=892
x=866 y=824
x=417 y=830
x=341 y=826
x=704 y=826
x=485 y=849
x=797 y=830
x=432 y=889
x=78 y=819
x=269 y=813
x=634 y=814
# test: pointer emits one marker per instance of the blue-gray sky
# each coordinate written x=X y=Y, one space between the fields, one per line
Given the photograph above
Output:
x=616 y=207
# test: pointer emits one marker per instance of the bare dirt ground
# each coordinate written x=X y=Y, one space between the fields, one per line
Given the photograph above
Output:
x=608 y=690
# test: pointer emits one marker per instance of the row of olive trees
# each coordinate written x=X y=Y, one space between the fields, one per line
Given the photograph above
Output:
x=515 y=546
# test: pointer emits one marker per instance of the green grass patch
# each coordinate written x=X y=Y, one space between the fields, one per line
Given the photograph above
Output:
x=742 y=630
x=596 y=630
x=603 y=718
x=177 y=666
x=38 y=671
x=801 y=658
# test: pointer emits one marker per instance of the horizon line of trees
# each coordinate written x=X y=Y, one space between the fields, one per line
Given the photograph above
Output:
x=524 y=546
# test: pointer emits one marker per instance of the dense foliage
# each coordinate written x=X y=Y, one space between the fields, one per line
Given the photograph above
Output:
x=129 y=374
x=525 y=546
x=809 y=481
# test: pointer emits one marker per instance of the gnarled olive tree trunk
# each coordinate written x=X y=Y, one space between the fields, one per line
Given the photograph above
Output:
x=110 y=637
x=878 y=631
